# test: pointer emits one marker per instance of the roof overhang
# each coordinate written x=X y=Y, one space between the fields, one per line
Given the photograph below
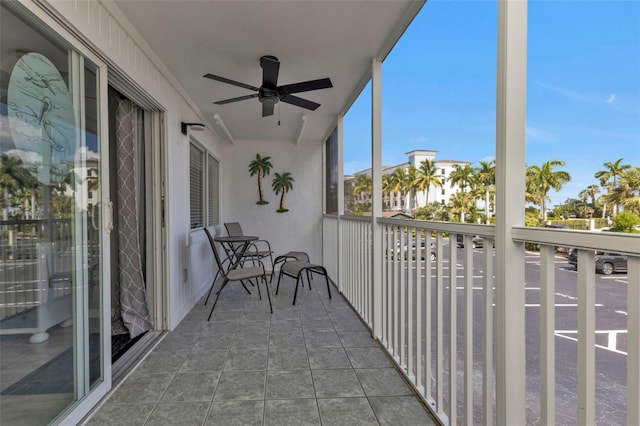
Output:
x=312 y=39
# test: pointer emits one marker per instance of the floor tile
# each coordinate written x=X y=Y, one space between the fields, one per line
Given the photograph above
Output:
x=204 y=360
x=357 y=339
x=120 y=414
x=240 y=385
x=235 y=413
x=293 y=358
x=322 y=339
x=346 y=412
x=292 y=412
x=246 y=359
x=163 y=362
x=336 y=383
x=368 y=358
x=251 y=340
x=178 y=413
x=215 y=341
x=383 y=382
x=289 y=384
x=400 y=411
x=192 y=387
x=324 y=358
x=141 y=387
x=349 y=325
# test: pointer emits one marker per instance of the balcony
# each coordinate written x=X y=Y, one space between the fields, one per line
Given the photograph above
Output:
x=311 y=363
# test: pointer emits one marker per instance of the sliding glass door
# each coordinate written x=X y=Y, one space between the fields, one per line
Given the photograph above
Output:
x=53 y=245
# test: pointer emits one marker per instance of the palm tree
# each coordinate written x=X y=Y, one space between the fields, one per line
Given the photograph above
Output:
x=609 y=177
x=262 y=167
x=459 y=203
x=627 y=192
x=282 y=183
x=362 y=187
x=398 y=183
x=541 y=179
x=386 y=189
x=427 y=176
x=410 y=185
x=462 y=176
x=13 y=176
x=486 y=176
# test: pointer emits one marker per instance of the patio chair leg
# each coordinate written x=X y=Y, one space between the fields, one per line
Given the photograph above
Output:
x=326 y=276
x=211 y=289
x=278 y=286
x=259 y=294
x=217 y=297
x=266 y=284
x=245 y=287
x=309 y=279
x=295 y=294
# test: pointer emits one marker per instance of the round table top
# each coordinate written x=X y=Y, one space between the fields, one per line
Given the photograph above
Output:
x=236 y=239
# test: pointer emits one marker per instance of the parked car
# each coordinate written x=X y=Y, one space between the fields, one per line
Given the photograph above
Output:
x=432 y=256
x=477 y=241
x=606 y=262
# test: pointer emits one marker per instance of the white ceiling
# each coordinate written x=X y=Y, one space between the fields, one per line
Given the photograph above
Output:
x=312 y=39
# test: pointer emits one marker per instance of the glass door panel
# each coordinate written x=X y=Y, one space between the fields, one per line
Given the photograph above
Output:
x=50 y=229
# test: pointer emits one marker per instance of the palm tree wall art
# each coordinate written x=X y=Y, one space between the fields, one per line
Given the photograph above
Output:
x=281 y=184
x=261 y=166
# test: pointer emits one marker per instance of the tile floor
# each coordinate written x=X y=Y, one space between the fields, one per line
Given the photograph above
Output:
x=310 y=364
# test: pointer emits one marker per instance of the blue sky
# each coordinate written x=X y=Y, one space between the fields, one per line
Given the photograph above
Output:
x=583 y=88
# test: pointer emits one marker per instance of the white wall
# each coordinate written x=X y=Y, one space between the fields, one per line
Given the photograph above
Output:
x=298 y=229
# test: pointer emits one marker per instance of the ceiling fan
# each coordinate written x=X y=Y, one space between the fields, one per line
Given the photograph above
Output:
x=270 y=93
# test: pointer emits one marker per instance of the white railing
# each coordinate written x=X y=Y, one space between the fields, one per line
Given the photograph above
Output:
x=424 y=322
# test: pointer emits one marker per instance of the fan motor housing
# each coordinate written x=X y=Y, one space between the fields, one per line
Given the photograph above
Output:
x=268 y=96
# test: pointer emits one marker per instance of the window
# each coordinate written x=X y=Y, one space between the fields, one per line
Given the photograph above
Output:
x=331 y=173
x=442 y=191
x=442 y=172
x=203 y=189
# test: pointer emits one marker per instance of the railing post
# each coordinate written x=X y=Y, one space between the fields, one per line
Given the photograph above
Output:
x=376 y=193
x=633 y=341
x=339 y=240
x=510 y=173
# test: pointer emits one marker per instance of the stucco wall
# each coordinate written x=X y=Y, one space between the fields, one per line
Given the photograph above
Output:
x=298 y=229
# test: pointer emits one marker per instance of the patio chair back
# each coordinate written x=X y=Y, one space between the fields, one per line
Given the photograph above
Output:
x=221 y=268
x=233 y=229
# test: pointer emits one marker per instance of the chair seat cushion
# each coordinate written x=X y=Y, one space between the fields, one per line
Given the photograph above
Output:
x=293 y=268
x=245 y=273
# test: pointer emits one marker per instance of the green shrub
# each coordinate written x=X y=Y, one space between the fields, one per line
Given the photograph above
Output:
x=625 y=222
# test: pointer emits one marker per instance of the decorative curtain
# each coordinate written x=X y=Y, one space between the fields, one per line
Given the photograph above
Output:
x=132 y=311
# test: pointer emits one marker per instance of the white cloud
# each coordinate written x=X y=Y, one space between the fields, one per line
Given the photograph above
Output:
x=611 y=99
x=419 y=139
x=488 y=158
x=536 y=133
x=576 y=96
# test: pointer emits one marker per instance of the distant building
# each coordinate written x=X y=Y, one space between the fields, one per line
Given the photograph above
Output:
x=396 y=202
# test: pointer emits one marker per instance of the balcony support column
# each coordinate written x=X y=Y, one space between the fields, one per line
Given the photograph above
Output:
x=376 y=195
x=510 y=184
x=340 y=130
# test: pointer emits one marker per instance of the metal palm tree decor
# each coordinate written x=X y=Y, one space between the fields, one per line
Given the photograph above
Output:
x=260 y=166
x=282 y=183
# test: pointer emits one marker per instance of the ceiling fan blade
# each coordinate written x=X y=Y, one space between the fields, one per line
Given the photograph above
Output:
x=232 y=82
x=270 y=68
x=303 y=103
x=267 y=109
x=240 y=98
x=305 y=86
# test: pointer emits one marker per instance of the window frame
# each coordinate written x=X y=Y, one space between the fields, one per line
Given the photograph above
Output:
x=209 y=175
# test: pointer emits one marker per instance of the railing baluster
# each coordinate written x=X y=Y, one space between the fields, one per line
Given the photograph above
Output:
x=439 y=328
x=418 y=300
x=633 y=341
x=453 y=332
x=412 y=252
x=396 y=279
x=586 y=338
x=488 y=383
x=403 y=294
x=468 y=329
x=428 y=310
x=547 y=335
